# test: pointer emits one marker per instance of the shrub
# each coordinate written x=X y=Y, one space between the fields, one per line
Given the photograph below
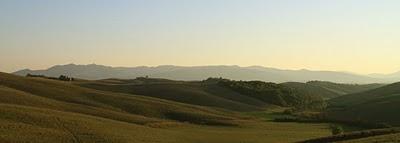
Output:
x=336 y=130
x=287 y=119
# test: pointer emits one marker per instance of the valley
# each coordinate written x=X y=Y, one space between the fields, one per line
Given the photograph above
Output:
x=160 y=110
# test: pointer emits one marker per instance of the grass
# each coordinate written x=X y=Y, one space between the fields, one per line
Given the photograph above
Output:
x=269 y=114
x=343 y=89
x=379 y=105
x=185 y=92
x=390 y=138
x=254 y=132
x=124 y=107
x=364 y=136
x=43 y=110
x=312 y=89
x=21 y=124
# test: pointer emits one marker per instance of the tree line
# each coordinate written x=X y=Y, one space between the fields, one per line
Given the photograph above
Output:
x=61 y=77
x=272 y=93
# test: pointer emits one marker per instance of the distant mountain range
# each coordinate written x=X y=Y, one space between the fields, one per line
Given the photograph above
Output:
x=94 y=72
x=393 y=76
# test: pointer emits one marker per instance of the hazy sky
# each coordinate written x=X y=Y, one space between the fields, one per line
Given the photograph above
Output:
x=361 y=36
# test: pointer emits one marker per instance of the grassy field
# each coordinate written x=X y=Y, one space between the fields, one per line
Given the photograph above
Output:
x=189 y=93
x=45 y=110
x=34 y=109
x=22 y=123
x=255 y=132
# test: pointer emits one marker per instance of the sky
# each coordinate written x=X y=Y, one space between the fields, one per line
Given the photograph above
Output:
x=359 y=36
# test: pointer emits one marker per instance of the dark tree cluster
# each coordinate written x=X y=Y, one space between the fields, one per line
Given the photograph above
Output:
x=32 y=75
x=271 y=93
x=61 y=77
x=65 y=78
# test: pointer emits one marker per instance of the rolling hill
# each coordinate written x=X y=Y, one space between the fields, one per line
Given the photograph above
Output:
x=213 y=92
x=329 y=90
x=156 y=110
x=312 y=89
x=96 y=72
x=343 y=89
x=35 y=109
x=378 y=105
x=64 y=96
x=194 y=93
x=393 y=76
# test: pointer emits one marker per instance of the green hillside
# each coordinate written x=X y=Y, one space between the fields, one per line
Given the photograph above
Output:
x=30 y=124
x=214 y=92
x=328 y=90
x=34 y=109
x=338 y=89
x=377 y=105
x=312 y=89
x=272 y=93
x=160 y=110
x=71 y=98
x=185 y=92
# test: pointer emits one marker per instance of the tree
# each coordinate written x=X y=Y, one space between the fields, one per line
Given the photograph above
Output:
x=65 y=78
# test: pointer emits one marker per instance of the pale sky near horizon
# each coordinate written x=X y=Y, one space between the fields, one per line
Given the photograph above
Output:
x=360 y=36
